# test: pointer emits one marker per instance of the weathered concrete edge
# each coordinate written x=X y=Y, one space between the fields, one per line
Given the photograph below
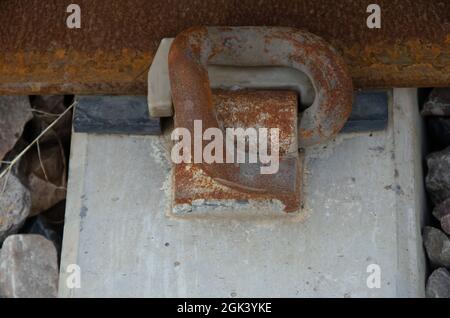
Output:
x=411 y=205
x=75 y=187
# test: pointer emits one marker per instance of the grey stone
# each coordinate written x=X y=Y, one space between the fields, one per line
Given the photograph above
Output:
x=437 y=180
x=41 y=225
x=46 y=176
x=437 y=245
x=438 y=103
x=439 y=131
x=438 y=284
x=445 y=224
x=15 y=112
x=442 y=209
x=15 y=204
x=442 y=213
x=28 y=267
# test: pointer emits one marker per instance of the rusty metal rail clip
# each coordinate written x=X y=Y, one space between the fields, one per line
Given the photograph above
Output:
x=196 y=48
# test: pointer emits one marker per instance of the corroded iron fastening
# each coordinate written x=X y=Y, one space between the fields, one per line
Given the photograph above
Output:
x=196 y=48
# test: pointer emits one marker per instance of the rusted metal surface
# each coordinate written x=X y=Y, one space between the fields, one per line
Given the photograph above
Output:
x=112 y=51
x=197 y=47
x=244 y=109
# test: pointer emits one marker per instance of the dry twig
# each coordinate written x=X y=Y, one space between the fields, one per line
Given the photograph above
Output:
x=36 y=140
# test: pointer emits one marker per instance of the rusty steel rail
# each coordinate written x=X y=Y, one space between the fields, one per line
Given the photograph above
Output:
x=112 y=51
